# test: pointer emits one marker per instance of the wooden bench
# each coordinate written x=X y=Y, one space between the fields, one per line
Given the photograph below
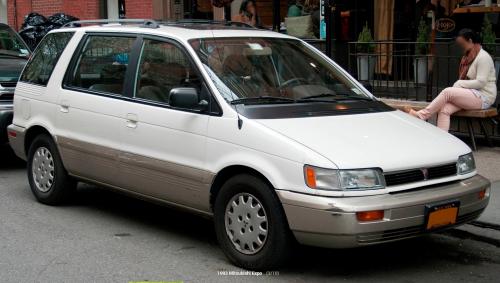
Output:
x=468 y=115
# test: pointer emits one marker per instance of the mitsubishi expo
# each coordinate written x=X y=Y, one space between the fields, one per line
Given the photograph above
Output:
x=255 y=129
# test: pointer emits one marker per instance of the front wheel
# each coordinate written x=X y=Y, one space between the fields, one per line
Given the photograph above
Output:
x=49 y=181
x=251 y=225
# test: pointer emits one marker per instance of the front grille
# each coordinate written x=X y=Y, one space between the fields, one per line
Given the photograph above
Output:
x=8 y=84
x=7 y=97
x=407 y=232
x=416 y=175
x=442 y=171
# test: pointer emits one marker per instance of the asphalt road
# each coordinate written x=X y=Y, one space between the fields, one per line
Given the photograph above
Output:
x=106 y=237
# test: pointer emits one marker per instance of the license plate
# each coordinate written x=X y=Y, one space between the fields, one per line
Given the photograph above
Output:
x=441 y=215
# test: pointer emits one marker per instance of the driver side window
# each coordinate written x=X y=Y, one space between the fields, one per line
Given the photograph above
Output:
x=164 y=67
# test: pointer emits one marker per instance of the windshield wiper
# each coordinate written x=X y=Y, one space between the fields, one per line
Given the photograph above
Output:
x=319 y=96
x=337 y=97
x=260 y=99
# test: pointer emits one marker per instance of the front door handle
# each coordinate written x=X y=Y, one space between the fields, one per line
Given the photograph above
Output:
x=132 y=120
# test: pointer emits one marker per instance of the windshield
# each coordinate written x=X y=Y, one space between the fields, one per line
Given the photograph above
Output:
x=272 y=70
x=10 y=44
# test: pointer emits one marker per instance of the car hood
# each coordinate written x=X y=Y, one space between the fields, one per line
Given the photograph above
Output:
x=388 y=140
x=11 y=68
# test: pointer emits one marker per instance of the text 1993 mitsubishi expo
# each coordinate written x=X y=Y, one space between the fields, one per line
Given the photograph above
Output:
x=256 y=129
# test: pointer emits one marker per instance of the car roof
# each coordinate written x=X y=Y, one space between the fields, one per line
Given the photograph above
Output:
x=181 y=30
x=2 y=25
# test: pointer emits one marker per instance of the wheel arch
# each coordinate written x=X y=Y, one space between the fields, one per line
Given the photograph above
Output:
x=31 y=133
x=230 y=171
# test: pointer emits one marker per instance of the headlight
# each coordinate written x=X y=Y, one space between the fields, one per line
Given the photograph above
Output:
x=466 y=164
x=331 y=179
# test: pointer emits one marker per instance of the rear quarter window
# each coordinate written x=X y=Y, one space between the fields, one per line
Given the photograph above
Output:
x=41 y=65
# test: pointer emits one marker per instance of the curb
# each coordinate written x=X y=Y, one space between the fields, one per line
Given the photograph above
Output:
x=483 y=224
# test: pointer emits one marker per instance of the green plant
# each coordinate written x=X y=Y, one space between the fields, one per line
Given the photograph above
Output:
x=488 y=36
x=365 y=42
x=423 y=38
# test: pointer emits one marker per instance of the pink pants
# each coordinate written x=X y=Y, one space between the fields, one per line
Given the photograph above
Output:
x=449 y=101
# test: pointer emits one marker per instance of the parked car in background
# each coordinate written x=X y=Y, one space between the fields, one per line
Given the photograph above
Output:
x=14 y=54
x=256 y=129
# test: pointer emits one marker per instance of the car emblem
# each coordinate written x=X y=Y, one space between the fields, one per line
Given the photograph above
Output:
x=425 y=171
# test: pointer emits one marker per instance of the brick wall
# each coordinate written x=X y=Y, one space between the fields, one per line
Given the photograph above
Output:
x=83 y=9
x=137 y=9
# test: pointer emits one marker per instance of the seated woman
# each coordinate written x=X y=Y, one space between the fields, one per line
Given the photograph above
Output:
x=475 y=88
x=248 y=14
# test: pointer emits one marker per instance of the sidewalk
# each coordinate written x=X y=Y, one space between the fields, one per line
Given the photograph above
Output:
x=488 y=165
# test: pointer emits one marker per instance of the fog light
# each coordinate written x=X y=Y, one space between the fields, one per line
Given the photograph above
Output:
x=481 y=194
x=370 y=215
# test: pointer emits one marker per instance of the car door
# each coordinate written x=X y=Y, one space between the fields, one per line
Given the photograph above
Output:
x=91 y=104
x=164 y=135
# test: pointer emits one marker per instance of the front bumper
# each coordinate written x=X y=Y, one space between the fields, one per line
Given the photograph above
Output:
x=6 y=114
x=332 y=222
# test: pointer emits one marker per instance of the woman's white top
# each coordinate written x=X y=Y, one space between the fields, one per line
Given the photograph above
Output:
x=481 y=78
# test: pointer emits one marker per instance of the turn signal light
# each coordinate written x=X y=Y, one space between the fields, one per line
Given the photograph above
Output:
x=370 y=215
x=481 y=194
x=310 y=177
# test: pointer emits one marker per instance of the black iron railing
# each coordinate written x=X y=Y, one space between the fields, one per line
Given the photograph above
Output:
x=392 y=69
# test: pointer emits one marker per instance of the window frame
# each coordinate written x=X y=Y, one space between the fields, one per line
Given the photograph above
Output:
x=214 y=108
x=68 y=76
x=132 y=69
x=34 y=53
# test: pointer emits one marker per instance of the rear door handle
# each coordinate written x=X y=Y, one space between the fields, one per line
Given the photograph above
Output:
x=64 y=106
x=132 y=120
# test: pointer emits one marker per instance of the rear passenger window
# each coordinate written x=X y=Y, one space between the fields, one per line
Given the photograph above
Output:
x=41 y=65
x=102 y=64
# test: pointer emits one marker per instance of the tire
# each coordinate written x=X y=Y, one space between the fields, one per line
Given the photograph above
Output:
x=275 y=247
x=49 y=181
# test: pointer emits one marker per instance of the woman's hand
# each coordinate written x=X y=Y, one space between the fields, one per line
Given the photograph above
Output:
x=457 y=84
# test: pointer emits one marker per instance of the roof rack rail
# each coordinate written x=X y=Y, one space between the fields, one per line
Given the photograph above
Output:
x=147 y=23
x=209 y=22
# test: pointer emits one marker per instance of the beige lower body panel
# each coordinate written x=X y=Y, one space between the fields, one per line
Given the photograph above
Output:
x=332 y=222
x=159 y=179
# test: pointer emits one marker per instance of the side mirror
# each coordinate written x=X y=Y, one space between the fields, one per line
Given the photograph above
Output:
x=187 y=98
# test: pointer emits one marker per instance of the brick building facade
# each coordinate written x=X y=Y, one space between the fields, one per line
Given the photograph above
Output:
x=83 y=9
x=150 y=9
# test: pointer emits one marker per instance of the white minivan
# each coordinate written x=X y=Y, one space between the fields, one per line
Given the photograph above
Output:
x=256 y=129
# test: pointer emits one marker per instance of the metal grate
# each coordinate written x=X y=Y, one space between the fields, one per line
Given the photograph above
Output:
x=8 y=84
x=442 y=171
x=7 y=97
x=416 y=175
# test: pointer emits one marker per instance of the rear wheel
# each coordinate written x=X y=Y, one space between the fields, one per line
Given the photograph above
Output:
x=49 y=181
x=250 y=224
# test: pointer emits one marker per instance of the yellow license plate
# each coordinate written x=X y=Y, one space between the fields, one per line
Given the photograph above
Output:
x=442 y=215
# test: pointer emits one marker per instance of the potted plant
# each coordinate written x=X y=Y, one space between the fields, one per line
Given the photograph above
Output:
x=420 y=66
x=365 y=57
x=489 y=40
